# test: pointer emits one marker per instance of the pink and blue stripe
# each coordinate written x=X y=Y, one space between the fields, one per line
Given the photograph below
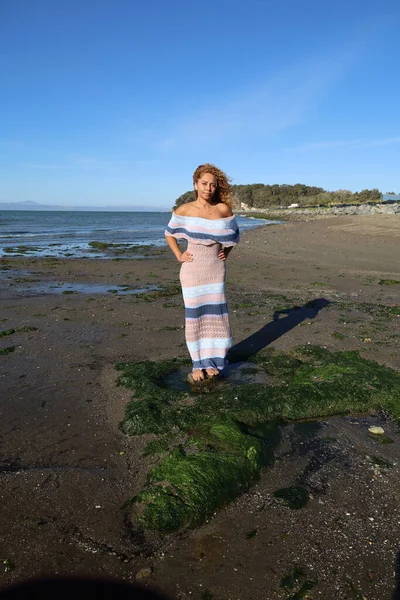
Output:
x=204 y=231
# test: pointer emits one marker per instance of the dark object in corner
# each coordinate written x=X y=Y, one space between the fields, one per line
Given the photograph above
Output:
x=87 y=588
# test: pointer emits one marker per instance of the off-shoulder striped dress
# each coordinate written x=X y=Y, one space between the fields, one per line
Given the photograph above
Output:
x=207 y=329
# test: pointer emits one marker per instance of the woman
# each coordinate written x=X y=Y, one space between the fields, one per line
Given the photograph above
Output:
x=211 y=230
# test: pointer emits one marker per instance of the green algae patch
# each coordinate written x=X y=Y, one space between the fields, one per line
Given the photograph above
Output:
x=311 y=383
x=154 y=411
x=7 y=332
x=381 y=439
x=19 y=330
x=100 y=245
x=228 y=435
x=155 y=447
x=389 y=282
x=382 y=311
x=190 y=484
x=7 y=350
x=165 y=291
x=125 y=249
x=381 y=463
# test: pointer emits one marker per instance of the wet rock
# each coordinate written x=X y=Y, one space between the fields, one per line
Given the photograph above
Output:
x=376 y=430
x=144 y=573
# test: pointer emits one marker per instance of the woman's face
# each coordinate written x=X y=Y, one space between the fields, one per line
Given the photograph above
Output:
x=206 y=186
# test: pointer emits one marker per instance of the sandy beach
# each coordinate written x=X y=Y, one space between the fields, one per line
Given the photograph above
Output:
x=66 y=468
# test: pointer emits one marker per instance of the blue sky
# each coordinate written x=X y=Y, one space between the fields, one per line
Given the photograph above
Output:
x=117 y=101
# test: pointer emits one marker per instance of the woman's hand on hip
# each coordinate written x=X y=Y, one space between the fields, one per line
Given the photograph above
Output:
x=186 y=257
x=222 y=254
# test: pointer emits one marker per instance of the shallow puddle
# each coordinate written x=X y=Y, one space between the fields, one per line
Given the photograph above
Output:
x=56 y=287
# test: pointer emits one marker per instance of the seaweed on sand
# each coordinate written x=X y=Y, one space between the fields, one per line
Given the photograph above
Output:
x=230 y=433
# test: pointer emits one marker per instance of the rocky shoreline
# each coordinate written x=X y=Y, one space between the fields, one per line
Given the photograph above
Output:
x=322 y=211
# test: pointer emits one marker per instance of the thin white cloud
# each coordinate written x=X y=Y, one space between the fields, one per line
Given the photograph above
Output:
x=383 y=142
x=268 y=108
x=43 y=166
x=95 y=163
x=85 y=163
x=327 y=145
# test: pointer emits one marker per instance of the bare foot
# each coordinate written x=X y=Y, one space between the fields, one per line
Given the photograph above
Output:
x=212 y=372
x=198 y=375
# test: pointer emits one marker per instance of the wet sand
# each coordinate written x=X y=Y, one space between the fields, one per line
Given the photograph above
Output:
x=66 y=469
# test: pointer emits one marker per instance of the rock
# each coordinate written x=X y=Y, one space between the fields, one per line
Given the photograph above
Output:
x=376 y=430
x=323 y=211
x=144 y=573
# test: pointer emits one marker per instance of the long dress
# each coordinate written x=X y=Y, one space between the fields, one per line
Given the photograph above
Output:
x=207 y=329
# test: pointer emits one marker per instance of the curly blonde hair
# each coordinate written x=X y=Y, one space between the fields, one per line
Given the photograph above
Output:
x=223 y=193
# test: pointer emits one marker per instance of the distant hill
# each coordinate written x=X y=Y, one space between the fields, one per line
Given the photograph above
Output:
x=29 y=205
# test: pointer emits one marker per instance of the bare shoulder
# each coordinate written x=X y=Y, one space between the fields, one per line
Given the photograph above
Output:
x=185 y=210
x=224 y=210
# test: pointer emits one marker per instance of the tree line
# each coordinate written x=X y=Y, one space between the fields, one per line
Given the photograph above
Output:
x=260 y=195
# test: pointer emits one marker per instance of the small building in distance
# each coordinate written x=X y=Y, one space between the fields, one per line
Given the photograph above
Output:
x=390 y=197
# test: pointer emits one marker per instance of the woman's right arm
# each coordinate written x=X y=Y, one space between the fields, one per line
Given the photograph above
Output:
x=180 y=256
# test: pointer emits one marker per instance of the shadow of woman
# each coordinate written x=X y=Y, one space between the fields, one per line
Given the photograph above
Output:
x=274 y=330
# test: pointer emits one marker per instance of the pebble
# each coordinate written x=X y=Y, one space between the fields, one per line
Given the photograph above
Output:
x=376 y=430
x=143 y=573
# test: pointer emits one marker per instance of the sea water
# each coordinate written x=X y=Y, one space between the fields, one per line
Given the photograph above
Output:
x=69 y=233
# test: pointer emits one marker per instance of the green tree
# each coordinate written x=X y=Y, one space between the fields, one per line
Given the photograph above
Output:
x=264 y=196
